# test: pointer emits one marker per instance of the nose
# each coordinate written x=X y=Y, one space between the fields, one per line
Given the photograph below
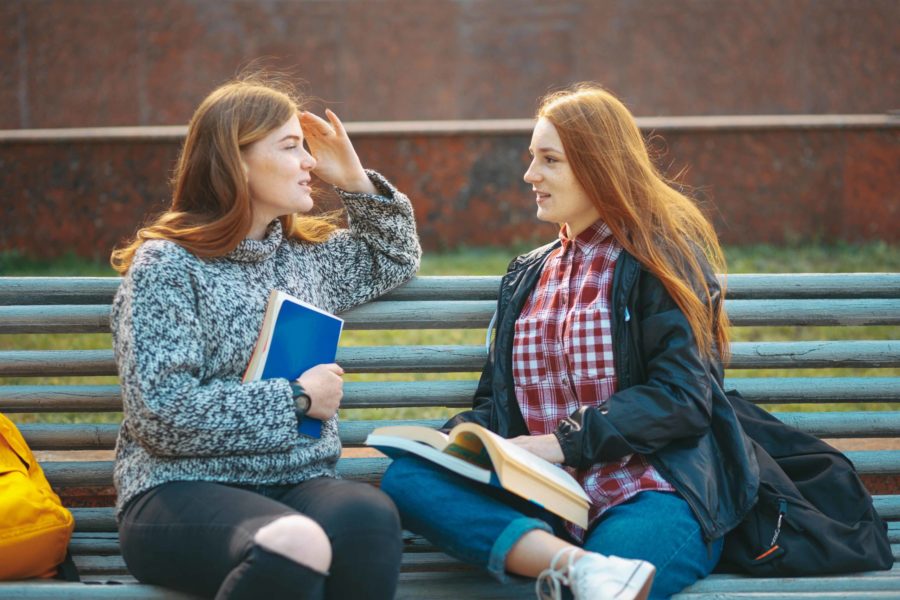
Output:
x=308 y=162
x=531 y=175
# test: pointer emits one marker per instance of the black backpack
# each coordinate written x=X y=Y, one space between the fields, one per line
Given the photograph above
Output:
x=813 y=517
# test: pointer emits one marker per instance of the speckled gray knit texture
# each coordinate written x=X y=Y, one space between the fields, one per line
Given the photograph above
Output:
x=184 y=329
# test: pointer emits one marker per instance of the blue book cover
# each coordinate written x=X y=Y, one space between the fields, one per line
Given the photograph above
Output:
x=295 y=336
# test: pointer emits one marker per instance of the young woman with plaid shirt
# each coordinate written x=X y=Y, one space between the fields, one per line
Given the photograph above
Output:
x=607 y=359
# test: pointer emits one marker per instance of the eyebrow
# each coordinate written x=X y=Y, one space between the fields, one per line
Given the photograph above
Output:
x=289 y=136
x=549 y=149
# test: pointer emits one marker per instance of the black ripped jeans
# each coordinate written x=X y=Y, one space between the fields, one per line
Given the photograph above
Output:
x=197 y=537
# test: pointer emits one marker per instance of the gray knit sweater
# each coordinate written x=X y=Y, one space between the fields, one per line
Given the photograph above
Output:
x=184 y=329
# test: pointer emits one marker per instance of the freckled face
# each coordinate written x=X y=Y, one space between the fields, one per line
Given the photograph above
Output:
x=278 y=173
x=559 y=196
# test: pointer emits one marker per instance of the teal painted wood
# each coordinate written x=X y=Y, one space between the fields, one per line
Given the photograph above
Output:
x=102 y=520
x=815 y=355
x=60 y=398
x=813 y=312
x=99 y=473
x=875 y=462
x=101 y=436
x=475 y=314
x=862 y=424
x=813 y=285
x=56 y=590
x=100 y=290
x=458 y=393
x=789 y=390
x=458 y=359
x=57 y=290
x=888 y=506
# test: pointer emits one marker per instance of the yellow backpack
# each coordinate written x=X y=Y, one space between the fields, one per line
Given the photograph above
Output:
x=35 y=528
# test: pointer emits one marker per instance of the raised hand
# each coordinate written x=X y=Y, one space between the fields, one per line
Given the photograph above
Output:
x=338 y=163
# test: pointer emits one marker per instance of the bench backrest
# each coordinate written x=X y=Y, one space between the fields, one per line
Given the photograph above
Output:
x=421 y=373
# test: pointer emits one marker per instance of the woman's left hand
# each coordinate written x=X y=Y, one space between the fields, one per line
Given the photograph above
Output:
x=337 y=162
x=545 y=446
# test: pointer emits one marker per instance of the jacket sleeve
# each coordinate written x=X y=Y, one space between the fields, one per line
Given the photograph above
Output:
x=674 y=401
x=171 y=408
x=378 y=251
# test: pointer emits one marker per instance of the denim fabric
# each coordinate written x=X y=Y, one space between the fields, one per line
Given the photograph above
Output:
x=660 y=528
x=480 y=524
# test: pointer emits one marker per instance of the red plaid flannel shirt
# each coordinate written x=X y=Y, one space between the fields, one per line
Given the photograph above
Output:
x=563 y=359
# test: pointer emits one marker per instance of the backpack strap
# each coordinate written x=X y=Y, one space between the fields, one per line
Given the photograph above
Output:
x=67 y=571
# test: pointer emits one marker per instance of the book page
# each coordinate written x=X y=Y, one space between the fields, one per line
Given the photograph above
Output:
x=542 y=468
x=386 y=443
x=426 y=435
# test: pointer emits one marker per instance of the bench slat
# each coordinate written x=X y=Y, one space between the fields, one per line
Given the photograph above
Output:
x=102 y=436
x=450 y=359
x=475 y=314
x=815 y=355
x=458 y=393
x=100 y=290
x=813 y=285
x=56 y=590
x=98 y=520
x=759 y=313
x=791 y=390
x=99 y=473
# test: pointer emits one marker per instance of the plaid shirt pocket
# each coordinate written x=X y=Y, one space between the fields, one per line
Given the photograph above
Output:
x=529 y=365
x=590 y=344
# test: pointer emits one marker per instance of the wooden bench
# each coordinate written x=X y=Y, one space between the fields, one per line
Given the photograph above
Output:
x=81 y=306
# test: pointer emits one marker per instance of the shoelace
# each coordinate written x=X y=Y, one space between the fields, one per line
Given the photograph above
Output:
x=549 y=583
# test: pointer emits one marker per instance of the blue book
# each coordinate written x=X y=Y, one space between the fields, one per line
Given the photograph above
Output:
x=295 y=336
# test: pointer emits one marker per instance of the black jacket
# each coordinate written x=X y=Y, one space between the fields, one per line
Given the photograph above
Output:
x=669 y=406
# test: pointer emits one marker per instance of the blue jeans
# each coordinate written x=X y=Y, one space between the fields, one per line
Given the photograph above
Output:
x=479 y=524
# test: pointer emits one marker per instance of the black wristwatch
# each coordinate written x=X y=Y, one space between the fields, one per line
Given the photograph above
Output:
x=302 y=401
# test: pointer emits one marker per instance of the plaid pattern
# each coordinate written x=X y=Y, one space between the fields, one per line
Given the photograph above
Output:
x=563 y=359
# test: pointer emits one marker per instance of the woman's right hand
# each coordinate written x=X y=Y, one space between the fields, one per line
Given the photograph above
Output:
x=325 y=386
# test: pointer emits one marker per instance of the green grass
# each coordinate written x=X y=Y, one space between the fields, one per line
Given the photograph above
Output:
x=876 y=257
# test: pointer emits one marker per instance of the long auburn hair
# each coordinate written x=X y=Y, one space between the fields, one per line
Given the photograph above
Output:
x=661 y=227
x=211 y=212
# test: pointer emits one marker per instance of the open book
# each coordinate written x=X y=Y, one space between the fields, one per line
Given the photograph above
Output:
x=295 y=336
x=474 y=452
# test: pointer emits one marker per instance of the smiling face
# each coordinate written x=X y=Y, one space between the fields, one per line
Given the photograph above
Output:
x=559 y=196
x=278 y=175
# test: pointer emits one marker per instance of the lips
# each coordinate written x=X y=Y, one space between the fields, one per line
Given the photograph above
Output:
x=541 y=196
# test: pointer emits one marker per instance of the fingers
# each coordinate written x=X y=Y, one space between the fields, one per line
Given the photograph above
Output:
x=335 y=122
x=335 y=368
x=320 y=126
x=316 y=125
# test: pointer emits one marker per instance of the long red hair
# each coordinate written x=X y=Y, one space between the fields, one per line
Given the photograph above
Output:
x=211 y=212
x=661 y=227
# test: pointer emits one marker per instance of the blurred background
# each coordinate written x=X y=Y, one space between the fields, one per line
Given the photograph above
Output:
x=777 y=113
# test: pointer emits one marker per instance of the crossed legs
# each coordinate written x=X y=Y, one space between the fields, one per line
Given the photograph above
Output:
x=323 y=538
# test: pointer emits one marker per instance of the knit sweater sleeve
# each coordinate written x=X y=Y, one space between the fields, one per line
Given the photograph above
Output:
x=376 y=253
x=171 y=407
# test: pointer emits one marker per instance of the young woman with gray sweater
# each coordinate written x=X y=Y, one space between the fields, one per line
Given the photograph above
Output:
x=218 y=494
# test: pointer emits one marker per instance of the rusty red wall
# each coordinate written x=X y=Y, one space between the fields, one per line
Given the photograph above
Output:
x=79 y=63
x=773 y=181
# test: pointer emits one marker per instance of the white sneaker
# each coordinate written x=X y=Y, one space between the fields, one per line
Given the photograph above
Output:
x=595 y=577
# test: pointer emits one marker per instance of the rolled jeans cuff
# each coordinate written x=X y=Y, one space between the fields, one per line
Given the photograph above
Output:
x=506 y=540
